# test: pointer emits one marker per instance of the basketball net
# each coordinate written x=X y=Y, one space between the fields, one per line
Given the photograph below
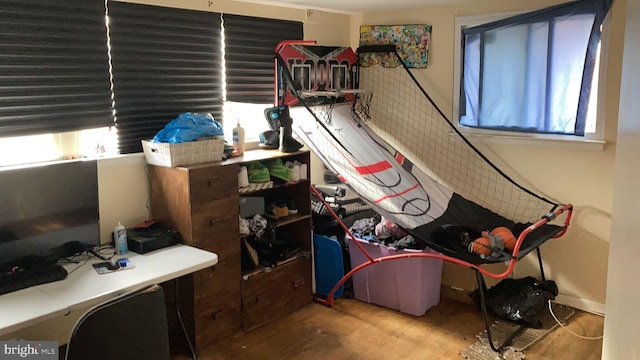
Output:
x=322 y=102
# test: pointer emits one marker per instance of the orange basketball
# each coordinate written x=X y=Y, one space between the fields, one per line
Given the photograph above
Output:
x=481 y=246
x=507 y=237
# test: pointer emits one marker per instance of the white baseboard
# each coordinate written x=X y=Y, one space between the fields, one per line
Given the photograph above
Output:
x=582 y=304
x=593 y=307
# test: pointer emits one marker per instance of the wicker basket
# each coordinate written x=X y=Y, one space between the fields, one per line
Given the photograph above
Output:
x=193 y=152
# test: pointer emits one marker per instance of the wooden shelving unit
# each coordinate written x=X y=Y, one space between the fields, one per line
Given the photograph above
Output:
x=201 y=201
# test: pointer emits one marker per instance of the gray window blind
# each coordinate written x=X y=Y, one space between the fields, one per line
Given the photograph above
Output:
x=166 y=61
x=54 y=68
x=250 y=44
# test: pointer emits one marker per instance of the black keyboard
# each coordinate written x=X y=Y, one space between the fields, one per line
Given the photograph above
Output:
x=22 y=279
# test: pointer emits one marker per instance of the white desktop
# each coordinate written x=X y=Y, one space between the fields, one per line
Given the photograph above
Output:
x=84 y=287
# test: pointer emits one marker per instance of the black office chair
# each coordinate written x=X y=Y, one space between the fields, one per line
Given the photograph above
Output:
x=130 y=327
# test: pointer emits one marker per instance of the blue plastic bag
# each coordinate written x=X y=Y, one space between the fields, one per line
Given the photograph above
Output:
x=189 y=127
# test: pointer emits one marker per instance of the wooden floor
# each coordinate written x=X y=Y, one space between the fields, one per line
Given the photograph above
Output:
x=352 y=330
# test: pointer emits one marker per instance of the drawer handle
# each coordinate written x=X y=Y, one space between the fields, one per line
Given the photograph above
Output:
x=217 y=314
x=213 y=222
x=213 y=181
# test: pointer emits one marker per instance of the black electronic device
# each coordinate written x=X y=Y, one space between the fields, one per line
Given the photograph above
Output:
x=281 y=135
x=48 y=212
x=113 y=264
x=144 y=240
x=19 y=279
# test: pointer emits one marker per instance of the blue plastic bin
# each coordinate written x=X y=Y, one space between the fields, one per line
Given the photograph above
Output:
x=329 y=268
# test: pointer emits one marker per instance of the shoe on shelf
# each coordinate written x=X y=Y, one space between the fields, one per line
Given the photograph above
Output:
x=277 y=211
x=277 y=170
x=292 y=207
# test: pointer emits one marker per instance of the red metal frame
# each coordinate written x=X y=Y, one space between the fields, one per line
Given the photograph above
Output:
x=329 y=299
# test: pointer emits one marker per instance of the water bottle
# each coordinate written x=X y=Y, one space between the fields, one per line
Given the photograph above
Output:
x=120 y=239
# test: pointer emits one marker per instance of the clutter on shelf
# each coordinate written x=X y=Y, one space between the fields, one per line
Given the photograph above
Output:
x=259 y=175
x=265 y=245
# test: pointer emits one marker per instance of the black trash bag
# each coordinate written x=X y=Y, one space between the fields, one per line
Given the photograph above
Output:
x=519 y=300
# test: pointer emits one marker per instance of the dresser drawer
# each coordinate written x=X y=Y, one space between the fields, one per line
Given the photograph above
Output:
x=226 y=246
x=211 y=183
x=214 y=220
x=219 y=285
x=215 y=325
x=269 y=296
x=217 y=302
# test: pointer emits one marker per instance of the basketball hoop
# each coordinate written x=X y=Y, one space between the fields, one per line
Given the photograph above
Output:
x=324 y=101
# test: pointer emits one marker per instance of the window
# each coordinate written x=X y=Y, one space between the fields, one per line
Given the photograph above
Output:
x=249 y=48
x=70 y=74
x=54 y=68
x=49 y=147
x=54 y=76
x=532 y=73
x=166 y=61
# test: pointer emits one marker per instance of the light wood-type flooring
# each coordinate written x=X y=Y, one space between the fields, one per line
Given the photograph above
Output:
x=353 y=329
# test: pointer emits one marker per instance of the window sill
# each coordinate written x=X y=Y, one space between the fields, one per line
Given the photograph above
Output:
x=252 y=144
x=574 y=144
x=116 y=160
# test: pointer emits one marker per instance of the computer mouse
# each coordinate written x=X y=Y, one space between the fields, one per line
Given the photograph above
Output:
x=113 y=264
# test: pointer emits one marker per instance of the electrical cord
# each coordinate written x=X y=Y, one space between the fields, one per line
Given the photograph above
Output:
x=572 y=333
x=182 y=325
x=73 y=260
x=104 y=252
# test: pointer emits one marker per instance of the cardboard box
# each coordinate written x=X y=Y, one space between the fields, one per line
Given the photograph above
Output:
x=193 y=152
x=410 y=285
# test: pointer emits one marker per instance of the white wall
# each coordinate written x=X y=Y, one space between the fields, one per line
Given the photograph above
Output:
x=124 y=193
x=622 y=323
x=577 y=262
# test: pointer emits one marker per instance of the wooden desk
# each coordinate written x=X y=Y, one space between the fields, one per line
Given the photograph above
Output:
x=85 y=287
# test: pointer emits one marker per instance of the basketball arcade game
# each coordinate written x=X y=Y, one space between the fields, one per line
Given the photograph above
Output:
x=387 y=181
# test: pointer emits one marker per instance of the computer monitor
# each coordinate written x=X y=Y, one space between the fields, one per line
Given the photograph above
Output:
x=47 y=212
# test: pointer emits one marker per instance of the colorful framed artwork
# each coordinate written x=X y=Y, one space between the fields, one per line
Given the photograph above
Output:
x=412 y=43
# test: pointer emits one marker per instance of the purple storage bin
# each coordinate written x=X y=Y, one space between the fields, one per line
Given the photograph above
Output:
x=410 y=285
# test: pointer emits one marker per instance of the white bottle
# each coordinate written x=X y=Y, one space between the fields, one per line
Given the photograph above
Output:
x=120 y=240
x=238 y=140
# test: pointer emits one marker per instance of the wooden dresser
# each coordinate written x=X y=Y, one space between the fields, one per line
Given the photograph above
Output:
x=202 y=202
